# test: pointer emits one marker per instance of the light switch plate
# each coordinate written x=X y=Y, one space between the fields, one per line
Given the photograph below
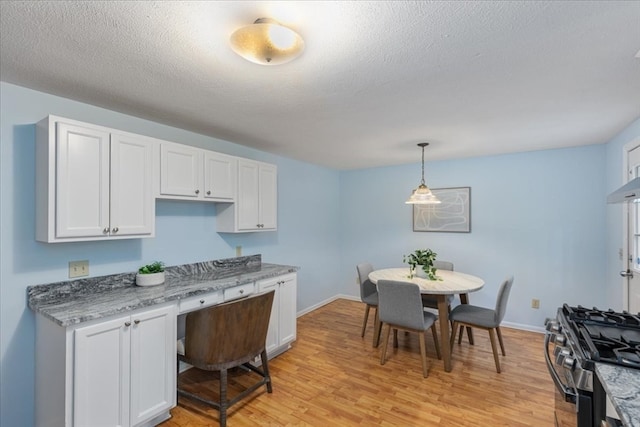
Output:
x=78 y=269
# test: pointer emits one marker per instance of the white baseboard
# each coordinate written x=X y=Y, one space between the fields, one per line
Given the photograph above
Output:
x=354 y=298
x=325 y=302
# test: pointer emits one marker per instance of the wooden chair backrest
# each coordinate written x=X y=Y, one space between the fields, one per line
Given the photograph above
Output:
x=229 y=334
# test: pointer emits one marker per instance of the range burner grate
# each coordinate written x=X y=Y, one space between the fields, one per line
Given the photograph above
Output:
x=606 y=336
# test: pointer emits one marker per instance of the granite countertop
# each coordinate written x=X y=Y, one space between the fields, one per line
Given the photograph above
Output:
x=623 y=388
x=72 y=302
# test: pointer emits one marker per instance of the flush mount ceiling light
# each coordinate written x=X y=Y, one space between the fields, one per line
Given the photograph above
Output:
x=422 y=195
x=267 y=42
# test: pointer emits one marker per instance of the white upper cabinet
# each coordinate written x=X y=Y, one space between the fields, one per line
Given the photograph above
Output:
x=189 y=173
x=256 y=207
x=219 y=176
x=91 y=183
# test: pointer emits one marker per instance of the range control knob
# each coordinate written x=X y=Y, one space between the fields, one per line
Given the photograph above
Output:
x=569 y=363
x=561 y=354
x=561 y=340
x=553 y=326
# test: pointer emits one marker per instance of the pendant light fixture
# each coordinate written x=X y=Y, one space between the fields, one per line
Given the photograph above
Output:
x=267 y=42
x=422 y=195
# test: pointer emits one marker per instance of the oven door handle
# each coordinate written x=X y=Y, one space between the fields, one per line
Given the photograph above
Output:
x=567 y=392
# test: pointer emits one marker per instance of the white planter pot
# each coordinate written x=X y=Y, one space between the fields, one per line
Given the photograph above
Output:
x=150 y=279
x=420 y=272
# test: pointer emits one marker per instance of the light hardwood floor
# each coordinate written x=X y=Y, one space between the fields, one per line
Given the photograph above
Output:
x=333 y=377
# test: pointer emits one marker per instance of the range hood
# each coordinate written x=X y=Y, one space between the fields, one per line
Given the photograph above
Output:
x=627 y=193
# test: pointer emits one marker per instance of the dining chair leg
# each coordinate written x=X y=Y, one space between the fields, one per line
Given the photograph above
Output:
x=499 y=332
x=452 y=339
x=366 y=317
x=434 y=331
x=423 y=355
x=460 y=334
x=492 y=336
x=395 y=338
x=378 y=329
x=385 y=339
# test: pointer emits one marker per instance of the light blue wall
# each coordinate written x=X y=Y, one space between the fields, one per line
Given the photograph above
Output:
x=539 y=216
x=615 y=177
x=185 y=231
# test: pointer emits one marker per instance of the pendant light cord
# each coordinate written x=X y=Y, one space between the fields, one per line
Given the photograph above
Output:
x=422 y=182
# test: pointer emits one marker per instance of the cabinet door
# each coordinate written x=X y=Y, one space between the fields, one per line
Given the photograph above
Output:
x=153 y=363
x=180 y=171
x=268 y=203
x=248 y=215
x=288 y=314
x=219 y=176
x=132 y=205
x=273 y=340
x=82 y=181
x=101 y=374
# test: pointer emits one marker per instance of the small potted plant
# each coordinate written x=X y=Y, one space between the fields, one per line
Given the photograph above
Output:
x=150 y=274
x=423 y=258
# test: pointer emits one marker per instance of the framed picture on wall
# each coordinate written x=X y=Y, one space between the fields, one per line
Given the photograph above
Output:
x=453 y=215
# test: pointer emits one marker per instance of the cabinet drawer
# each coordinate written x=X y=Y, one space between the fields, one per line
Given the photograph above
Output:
x=238 y=291
x=200 y=301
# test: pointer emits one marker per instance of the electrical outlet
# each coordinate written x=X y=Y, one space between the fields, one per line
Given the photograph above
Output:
x=78 y=269
x=535 y=303
x=238 y=250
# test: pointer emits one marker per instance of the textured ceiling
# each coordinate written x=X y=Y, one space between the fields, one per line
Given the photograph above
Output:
x=472 y=78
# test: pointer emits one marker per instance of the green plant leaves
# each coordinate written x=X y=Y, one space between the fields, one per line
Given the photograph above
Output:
x=154 y=267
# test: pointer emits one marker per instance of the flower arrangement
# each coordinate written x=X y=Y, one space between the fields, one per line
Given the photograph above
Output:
x=424 y=258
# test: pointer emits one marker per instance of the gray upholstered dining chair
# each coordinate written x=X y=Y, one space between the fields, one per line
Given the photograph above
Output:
x=226 y=336
x=484 y=318
x=369 y=296
x=400 y=307
x=430 y=301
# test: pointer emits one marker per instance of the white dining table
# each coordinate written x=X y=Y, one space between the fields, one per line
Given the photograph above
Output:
x=448 y=283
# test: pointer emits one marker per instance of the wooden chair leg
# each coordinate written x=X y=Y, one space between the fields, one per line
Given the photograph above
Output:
x=434 y=331
x=385 y=339
x=265 y=370
x=495 y=350
x=395 y=338
x=223 y=398
x=500 y=340
x=423 y=355
x=460 y=334
x=452 y=339
x=377 y=330
x=366 y=317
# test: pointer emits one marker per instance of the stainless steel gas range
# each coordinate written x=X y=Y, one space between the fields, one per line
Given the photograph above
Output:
x=575 y=341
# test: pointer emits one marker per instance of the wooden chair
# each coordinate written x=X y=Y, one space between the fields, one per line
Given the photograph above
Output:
x=484 y=318
x=369 y=296
x=400 y=307
x=226 y=336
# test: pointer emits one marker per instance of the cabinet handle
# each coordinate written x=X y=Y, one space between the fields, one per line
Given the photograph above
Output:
x=115 y=230
x=197 y=191
x=201 y=301
x=127 y=324
x=106 y=230
x=137 y=321
x=208 y=193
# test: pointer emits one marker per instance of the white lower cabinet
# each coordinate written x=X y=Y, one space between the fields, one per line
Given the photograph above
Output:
x=282 y=324
x=118 y=372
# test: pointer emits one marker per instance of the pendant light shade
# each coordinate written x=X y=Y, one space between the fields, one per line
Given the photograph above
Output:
x=267 y=42
x=422 y=195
